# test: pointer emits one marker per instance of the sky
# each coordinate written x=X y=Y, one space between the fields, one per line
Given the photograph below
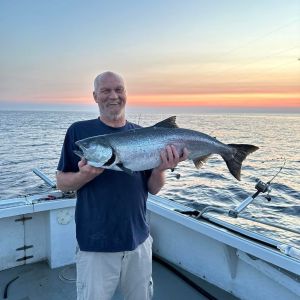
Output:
x=195 y=55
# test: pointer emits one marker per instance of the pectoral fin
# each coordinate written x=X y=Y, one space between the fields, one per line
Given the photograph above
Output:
x=199 y=161
x=124 y=169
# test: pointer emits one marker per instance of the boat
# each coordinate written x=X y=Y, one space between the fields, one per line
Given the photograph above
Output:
x=196 y=254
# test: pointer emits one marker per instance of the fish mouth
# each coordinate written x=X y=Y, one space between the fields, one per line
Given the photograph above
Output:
x=80 y=145
x=79 y=153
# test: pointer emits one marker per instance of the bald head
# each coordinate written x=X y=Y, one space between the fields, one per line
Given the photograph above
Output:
x=104 y=76
x=110 y=95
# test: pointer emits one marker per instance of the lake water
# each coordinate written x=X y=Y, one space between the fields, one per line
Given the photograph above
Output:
x=34 y=139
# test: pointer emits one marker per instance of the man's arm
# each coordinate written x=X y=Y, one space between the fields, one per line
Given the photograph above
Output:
x=170 y=159
x=73 y=181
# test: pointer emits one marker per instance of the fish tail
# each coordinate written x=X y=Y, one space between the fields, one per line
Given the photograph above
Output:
x=234 y=163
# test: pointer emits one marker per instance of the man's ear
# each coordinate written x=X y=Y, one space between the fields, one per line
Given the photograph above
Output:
x=95 y=97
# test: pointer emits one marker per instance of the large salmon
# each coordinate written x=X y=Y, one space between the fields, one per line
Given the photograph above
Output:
x=139 y=149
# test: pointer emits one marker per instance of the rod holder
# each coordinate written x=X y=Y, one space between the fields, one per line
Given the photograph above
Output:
x=44 y=177
x=261 y=187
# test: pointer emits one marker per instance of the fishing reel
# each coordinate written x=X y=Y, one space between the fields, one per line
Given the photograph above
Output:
x=262 y=187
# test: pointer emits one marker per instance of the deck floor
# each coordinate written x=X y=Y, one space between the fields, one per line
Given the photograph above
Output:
x=37 y=281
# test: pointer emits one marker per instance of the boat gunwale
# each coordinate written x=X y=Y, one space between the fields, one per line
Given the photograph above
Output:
x=258 y=249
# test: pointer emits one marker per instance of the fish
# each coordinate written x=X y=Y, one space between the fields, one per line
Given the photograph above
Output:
x=139 y=149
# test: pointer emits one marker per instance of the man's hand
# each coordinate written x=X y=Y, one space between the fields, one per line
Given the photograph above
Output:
x=88 y=171
x=170 y=158
x=73 y=181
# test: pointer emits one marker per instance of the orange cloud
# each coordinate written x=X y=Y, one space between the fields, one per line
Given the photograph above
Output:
x=219 y=100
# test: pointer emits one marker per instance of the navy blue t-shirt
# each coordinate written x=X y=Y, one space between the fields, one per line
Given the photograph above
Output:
x=111 y=209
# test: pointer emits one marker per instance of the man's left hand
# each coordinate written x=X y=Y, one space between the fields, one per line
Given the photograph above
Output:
x=170 y=158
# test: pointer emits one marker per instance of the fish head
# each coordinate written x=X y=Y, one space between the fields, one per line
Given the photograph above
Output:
x=96 y=153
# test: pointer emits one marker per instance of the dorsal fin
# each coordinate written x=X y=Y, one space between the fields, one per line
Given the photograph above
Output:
x=167 y=123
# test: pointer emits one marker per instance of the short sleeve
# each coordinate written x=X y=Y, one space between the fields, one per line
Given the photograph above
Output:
x=148 y=173
x=68 y=161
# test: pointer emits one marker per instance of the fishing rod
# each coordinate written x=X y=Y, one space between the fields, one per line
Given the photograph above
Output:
x=261 y=188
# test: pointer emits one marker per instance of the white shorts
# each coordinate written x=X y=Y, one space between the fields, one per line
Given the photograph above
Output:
x=99 y=273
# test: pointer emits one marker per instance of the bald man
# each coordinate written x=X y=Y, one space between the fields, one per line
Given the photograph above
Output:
x=115 y=246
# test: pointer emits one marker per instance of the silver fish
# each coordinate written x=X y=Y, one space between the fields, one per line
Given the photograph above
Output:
x=139 y=149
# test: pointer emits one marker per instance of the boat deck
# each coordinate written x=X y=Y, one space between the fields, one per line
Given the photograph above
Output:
x=37 y=281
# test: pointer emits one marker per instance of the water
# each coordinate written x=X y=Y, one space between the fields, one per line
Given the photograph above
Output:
x=34 y=139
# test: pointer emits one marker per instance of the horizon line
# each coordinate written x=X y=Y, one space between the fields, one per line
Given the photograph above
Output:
x=152 y=109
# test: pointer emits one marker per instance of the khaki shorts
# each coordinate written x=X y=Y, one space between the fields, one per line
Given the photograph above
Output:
x=100 y=273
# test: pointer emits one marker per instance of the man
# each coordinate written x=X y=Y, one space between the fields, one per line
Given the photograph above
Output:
x=111 y=228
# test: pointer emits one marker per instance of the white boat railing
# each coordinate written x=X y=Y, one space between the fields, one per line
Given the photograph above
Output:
x=200 y=242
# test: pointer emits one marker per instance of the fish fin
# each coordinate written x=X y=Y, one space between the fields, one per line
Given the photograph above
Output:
x=199 y=161
x=234 y=164
x=78 y=153
x=124 y=169
x=167 y=123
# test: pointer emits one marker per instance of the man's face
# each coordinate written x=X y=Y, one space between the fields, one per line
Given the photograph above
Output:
x=111 y=97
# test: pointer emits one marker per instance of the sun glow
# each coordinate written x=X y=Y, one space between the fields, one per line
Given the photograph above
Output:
x=217 y=100
x=219 y=55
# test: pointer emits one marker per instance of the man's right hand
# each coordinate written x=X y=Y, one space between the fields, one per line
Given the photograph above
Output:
x=88 y=171
x=73 y=181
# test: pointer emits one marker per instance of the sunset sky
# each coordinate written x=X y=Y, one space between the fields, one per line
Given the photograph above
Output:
x=202 y=55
